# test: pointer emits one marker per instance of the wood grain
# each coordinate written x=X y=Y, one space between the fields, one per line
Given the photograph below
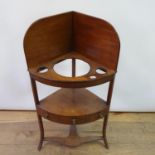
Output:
x=95 y=41
x=129 y=133
x=50 y=38
x=52 y=78
x=79 y=105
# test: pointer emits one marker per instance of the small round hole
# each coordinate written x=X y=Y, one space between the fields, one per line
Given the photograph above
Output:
x=100 y=71
x=42 y=69
x=92 y=77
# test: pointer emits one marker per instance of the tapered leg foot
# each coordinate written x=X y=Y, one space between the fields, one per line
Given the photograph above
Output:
x=40 y=144
x=106 y=142
x=104 y=132
x=41 y=132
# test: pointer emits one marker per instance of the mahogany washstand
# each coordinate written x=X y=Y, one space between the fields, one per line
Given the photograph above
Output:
x=73 y=36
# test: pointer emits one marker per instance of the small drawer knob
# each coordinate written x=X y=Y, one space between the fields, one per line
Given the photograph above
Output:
x=74 y=121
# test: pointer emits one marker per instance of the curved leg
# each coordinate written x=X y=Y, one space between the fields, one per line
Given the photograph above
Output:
x=104 y=131
x=106 y=116
x=41 y=132
x=36 y=99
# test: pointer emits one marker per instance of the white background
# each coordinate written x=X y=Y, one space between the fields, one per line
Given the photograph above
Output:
x=135 y=23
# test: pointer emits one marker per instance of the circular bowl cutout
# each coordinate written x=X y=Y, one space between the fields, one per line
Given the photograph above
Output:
x=64 y=67
x=100 y=71
x=42 y=69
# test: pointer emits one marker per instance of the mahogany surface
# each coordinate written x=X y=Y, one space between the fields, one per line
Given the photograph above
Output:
x=52 y=38
x=96 y=39
x=52 y=78
x=72 y=35
x=47 y=38
x=71 y=106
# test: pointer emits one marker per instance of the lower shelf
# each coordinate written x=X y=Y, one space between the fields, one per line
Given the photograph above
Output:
x=72 y=106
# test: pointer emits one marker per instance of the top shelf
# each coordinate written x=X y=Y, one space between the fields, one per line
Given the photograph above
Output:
x=97 y=74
